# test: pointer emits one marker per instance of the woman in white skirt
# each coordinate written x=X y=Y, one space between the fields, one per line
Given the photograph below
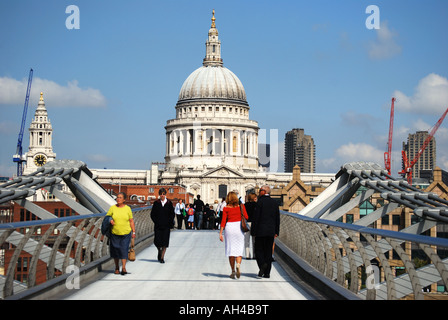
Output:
x=234 y=236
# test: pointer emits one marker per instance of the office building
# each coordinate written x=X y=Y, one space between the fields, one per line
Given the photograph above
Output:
x=299 y=150
x=427 y=160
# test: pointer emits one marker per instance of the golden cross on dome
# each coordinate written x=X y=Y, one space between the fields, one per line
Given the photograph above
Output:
x=213 y=19
x=41 y=96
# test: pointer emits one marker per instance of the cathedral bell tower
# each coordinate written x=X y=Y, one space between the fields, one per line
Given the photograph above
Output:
x=41 y=135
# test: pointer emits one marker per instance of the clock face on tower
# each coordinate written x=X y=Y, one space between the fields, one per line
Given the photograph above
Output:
x=40 y=160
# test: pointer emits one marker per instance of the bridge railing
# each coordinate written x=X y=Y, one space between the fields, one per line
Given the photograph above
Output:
x=36 y=252
x=355 y=257
x=359 y=258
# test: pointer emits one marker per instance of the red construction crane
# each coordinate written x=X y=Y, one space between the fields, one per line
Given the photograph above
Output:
x=387 y=155
x=408 y=166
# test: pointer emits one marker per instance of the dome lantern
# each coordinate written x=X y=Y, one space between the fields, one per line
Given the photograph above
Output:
x=213 y=46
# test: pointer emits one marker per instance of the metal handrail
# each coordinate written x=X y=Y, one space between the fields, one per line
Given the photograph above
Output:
x=40 y=223
x=79 y=243
x=348 y=254
x=354 y=256
x=441 y=242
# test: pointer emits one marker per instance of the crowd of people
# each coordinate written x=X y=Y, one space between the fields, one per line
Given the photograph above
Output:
x=199 y=216
x=260 y=213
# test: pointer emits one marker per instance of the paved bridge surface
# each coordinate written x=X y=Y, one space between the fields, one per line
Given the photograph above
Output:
x=196 y=268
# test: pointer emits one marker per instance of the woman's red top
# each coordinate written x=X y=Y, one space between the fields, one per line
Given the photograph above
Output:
x=230 y=214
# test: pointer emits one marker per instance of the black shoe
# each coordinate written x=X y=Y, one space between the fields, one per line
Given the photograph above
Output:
x=259 y=275
x=162 y=261
x=267 y=276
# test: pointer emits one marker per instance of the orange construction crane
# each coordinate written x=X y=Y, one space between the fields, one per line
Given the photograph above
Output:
x=387 y=155
x=407 y=171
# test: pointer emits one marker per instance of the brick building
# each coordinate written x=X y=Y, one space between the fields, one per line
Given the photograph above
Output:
x=141 y=195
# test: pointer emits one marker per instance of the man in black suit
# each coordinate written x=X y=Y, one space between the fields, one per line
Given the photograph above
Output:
x=198 y=212
x=265 y=228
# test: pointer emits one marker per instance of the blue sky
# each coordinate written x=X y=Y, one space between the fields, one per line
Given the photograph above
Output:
x=111 y=85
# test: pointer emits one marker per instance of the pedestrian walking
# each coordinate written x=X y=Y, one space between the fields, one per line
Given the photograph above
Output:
x=190 y=214
x=215 y=206
x=206 y=222
x=249 y=240
x=162 y=214
x=198 y=212
x=219 y=209
x=234 y=236
x=179 y=211
x=265 y=228
x=123 y=229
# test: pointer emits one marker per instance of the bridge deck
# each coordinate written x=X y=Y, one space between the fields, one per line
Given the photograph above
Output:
x=196 y=268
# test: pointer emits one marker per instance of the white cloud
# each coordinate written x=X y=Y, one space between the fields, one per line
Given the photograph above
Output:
x=12 y=92
x=430 y=96
x=420 y=125
x=443 y=163
x=351 y=152
x=327 y=165
x=359 y=152
x=384 y=46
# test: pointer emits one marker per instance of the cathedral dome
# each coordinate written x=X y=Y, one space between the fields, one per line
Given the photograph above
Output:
x=212 y=128
x=212 y=82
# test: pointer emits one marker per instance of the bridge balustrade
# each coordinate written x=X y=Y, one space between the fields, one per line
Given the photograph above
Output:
x=366 y=262
x=359 y=258
x=43 y=253
x=355 y=257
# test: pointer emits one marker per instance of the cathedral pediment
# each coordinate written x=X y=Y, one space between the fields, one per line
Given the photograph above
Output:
x=222 y=172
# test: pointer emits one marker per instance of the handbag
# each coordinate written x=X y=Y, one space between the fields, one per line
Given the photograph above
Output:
x=244 y=226
x=131 y=253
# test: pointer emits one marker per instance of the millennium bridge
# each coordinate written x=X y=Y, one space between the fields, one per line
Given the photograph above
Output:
x=316 y=256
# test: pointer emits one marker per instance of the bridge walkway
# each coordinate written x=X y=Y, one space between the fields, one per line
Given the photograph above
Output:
x=196 y=268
